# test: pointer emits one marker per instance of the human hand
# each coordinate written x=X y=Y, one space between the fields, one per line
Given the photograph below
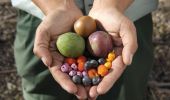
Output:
x=56 y=22
x=124 y=36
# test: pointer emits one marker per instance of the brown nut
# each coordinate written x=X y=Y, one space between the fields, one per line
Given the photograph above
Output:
x=84 y=26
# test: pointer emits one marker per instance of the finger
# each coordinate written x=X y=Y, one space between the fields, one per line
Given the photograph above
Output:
x=108 y=81
x=53 y=46
x=63 y=79
x=81 y=92
x=93 y=93
x=87 y=91
x=41 y=45
x=117 y=41
x=129 y=40
x=56 y=56
x=87 y=88
x=118 y=50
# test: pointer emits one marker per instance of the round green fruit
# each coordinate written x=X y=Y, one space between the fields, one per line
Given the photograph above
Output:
x=70 y=44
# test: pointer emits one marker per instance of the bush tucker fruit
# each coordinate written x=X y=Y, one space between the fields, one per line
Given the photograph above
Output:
x=74 y=66
x=76 y=79
x=86 y=81
x=100 y=44
x=92 y=73
x=108 y=65
x=101 y=61
x=79 y=74
x=102 y=70
x=96 y=80
x=94 y=63
x=84 y=26
x=87 y=65
x=81 y=59
x=81 y=66
x=84 y=73
x=87 y=72
x=111 y=56
x=72 y=73
x=70 y=45
x=65 y=68
x=70 y=61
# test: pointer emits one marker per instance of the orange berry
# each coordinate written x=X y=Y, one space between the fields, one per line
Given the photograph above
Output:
x=81 y=59
x=92 y=73
x=81 y=66
x=102 y=70
x=111 y=56
x=70 y=61
x=109 y=60
x=108 y=65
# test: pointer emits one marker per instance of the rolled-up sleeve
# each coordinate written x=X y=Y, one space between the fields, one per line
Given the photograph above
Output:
x=28 y=6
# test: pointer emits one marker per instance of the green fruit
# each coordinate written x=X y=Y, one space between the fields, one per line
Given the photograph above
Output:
x=70 y=45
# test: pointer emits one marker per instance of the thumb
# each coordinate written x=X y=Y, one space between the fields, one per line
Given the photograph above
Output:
x=41 y=45
x=129 y=40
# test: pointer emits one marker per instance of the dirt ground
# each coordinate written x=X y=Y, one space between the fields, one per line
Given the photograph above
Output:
x=159 y=80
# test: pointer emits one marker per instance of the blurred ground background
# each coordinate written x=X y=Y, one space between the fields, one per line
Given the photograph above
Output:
x=159 y=80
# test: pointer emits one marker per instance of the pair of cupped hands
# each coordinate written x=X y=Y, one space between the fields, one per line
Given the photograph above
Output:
x=61 y=20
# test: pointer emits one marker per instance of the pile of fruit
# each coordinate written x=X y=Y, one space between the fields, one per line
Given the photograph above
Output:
x=88 y=53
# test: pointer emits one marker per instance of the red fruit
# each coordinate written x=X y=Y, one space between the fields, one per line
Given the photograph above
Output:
x=81 y=66
x=100 y=44
x=70 y=61
x=81 y=59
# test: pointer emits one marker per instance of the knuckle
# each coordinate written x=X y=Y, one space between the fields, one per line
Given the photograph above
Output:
x=42 y=28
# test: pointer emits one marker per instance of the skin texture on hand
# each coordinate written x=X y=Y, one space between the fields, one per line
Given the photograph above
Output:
x=123 y=32
x=60 y=17
x=56 y=22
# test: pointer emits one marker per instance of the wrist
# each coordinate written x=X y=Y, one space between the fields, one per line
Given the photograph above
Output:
x=52 y=5
x=120 y=5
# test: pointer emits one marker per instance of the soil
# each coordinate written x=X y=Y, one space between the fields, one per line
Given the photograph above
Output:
x=159 y=81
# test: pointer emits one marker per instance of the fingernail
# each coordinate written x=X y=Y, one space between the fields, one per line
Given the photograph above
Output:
x=92 y=95
x=44 y=61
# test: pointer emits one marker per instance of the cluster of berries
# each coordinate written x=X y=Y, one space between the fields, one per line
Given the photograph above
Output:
x=88 y=71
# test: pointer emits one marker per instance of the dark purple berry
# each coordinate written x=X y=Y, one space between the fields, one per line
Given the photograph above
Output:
x=76 y=79
x=96 y=80
x=94 y=63
x=87 y=65
x=101 y=61
x=86 y=81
